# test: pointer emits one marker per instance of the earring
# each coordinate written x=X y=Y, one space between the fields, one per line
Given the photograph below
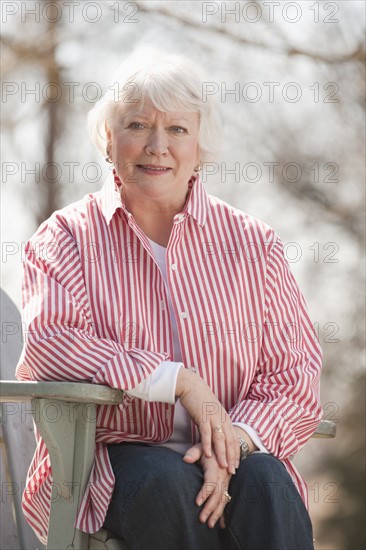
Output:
x=198 y=168
x=108 y=158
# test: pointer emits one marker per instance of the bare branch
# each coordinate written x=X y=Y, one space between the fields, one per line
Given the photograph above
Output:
x=358 y=54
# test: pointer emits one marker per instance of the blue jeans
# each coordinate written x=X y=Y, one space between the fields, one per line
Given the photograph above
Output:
x=153 y=504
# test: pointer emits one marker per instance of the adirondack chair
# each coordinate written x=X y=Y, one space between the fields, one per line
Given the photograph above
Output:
x=71 y=442
x=16 y=438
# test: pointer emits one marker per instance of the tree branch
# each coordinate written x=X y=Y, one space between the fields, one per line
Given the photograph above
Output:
x=358 y=54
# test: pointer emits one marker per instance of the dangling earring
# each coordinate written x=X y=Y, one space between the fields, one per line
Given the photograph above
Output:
x=108 y=158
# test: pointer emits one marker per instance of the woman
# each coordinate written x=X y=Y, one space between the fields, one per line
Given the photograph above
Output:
x=188 y=305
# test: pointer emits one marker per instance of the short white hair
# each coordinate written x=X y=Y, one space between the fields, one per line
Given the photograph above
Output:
x=172 y=83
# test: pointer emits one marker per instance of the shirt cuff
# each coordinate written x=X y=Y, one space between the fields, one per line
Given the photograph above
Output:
x=253 y=436
x=159 y=385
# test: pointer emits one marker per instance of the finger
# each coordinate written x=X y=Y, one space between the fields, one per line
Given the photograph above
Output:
x=222 y=522
x=208 y=489
x=219 y=446
x=213 y=509
x=231 y=453
x=237 y=450
x=205 y=432
x=193 y=454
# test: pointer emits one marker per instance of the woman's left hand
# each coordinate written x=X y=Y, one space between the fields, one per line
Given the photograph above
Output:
x=216 y=482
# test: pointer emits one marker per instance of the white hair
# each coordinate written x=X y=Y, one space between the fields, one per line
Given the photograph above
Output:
x=172 y=83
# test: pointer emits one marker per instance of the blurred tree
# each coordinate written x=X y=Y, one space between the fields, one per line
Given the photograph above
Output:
x=347 y=529
x=40 y=55
x=313 y=133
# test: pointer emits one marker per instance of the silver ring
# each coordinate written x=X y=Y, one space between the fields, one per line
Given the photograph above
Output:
x=226 y=494
x=217 y=429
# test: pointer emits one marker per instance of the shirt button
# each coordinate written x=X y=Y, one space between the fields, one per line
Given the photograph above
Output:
x=174 y=267
x=183 y=315
x=179 y=218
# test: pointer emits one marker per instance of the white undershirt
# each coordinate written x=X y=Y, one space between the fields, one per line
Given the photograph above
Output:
x=160 y=385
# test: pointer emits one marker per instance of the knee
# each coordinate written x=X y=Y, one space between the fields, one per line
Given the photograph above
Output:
x=262 y=478
x=260 y=475
x=262 y=468
x=167 y=478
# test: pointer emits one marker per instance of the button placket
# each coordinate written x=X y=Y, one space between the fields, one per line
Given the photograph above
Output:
x=172 y=272
x=182 y=314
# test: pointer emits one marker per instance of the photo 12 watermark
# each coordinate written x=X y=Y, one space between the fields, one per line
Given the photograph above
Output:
x=69 y=12
x=270 y=12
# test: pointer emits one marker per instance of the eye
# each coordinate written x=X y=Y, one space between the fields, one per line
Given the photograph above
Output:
x=178 y=130
x=136 y=125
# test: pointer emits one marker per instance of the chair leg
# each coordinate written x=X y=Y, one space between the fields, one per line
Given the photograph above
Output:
x=68 y=430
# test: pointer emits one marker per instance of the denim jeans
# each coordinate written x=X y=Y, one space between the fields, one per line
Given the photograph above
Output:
x=153 y=504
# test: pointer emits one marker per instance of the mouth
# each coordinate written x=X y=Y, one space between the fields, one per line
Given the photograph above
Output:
x=153 y=169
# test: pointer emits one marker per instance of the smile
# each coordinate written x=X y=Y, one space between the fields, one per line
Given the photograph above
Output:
x=149 y=168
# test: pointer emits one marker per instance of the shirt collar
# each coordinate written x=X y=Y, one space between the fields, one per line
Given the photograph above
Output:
x=196 y=204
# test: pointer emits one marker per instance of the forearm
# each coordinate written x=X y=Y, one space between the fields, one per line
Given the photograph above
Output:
x=185 y=380
x=283 y=426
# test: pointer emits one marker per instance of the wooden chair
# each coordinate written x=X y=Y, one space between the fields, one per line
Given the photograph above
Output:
x=64 y=413
x=17 y=443
x=71 y=444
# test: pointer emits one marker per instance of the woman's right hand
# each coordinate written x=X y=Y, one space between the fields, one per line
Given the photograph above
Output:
x=207 y=413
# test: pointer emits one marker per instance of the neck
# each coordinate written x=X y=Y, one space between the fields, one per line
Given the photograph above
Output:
x=154 y=215
x=141 y=204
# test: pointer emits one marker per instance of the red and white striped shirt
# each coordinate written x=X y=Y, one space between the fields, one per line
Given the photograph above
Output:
x=242 y=321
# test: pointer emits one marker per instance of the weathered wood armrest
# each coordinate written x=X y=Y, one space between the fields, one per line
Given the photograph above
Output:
x=73 y=392
x=326 y=429
x=65 y=416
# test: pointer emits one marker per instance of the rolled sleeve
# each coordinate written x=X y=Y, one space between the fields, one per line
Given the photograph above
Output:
x=160 y=385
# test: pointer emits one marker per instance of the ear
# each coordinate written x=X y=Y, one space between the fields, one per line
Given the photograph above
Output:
x=198 y=156
x=107 y=131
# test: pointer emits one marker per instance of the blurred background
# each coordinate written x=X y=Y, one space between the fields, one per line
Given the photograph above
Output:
x=290 y=79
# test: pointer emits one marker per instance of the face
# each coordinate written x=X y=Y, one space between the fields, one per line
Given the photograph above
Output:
x=153 y=152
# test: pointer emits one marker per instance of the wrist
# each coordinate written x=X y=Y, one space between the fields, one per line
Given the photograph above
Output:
x=242 y=434
x=184 y=380
x=244 y=448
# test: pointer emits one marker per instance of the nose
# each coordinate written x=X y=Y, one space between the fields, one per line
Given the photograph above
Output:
x=157 y=142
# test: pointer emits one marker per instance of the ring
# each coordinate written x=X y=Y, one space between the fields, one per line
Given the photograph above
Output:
x=217 y=429
x=226 y=494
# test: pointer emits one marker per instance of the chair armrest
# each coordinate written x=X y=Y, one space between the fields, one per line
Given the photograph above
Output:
x=70 y=440
x=74 y=392
x=326 y=429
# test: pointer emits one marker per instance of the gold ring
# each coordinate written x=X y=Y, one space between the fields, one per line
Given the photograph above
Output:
x=226 y=494
x=217 y=429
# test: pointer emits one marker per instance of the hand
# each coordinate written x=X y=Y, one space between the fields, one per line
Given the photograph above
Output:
x=207 y=413
x=216 y=481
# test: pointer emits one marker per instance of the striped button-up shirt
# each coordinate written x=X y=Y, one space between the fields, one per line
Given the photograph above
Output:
x=242 y=321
